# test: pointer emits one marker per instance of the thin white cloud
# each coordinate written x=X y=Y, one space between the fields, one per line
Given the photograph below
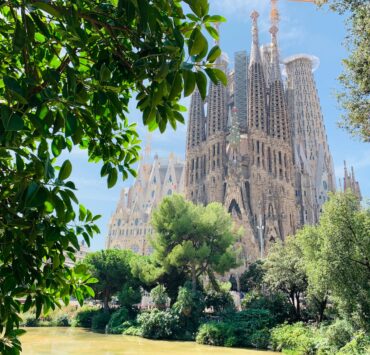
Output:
x=359 y=163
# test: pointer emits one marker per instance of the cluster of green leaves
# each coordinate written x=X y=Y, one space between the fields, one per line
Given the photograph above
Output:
x=355 y=98
x=68 y=72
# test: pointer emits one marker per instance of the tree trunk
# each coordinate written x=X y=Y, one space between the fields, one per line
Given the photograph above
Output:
x=298 y=306
x=322 y=309
x=106 y=301
x=193 y=278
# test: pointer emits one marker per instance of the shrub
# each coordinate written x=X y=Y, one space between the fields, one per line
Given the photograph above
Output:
x=29 y=320
x=220 y=301
x=63 y=321
x=133 y=330
x=129 y=296
x=189 y=306
x=276 y=303
x=100 y=320
x=158 y=324
x=115 y=324
x=84 y=316
x=338 y=334
x=296 y=337
x=260 y=339
x=359 y=345
x=159 y=296
x=212 y=334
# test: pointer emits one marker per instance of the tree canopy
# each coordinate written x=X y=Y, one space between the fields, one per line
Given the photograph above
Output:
x=355 y=97
x=68 y=72
x=197 y=240
x=112 y=269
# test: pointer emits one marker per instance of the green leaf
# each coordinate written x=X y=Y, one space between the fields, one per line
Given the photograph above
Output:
x=201 y=81
x=213 y=32
x=216 y=18
x=212 y=75
x=189 y=82
x=65 y=170
x=82 y=212
x=112 y=177
x=176 y=87
x=105 y=73
x=47 y=8
x=19 y=39
x=221 y=76
x=213 y=54
x=71 y=125
x=197 y=42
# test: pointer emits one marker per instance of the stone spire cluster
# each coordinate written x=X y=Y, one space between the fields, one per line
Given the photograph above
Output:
x=350 y=182
x=261 y=150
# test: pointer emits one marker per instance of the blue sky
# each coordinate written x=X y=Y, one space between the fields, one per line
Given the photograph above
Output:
x=303 y=29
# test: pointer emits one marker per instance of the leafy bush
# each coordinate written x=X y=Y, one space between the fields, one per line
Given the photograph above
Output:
x=115 y=324
x=297 y=337
x=245 y=329
x=158 y=324
x=29 y=320
x=63 y=320
x=84 y=316
x=159 y=296
x=260 y=339
x=276 y=303
x=212 y=334
x=133 y=330
x=338 y=334
x=359 y=345
x=189 y=306
x=129 y=296
x=220 y=301
x=100 y=320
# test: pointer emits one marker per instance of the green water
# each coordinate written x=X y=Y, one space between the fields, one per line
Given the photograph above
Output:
x=66 y=341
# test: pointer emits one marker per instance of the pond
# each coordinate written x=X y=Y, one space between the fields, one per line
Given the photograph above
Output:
x=67 y=341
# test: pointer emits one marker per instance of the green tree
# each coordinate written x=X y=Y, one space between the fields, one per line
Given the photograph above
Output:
x=344 y=243
x=318 y=292
x=285 y=272
x=355 y=98
x=111 y=268
x=195 y=239
x=252 y=277
x=68 y=72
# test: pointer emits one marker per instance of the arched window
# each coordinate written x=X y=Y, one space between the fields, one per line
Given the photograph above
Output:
x=169 y=192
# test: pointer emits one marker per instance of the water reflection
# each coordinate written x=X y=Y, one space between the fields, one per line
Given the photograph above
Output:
x=68 y=341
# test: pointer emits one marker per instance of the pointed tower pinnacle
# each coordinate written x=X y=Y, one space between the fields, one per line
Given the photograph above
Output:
x=255 y=50
x=275 y=60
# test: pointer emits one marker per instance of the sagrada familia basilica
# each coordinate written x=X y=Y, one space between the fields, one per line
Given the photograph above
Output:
x=258 y=146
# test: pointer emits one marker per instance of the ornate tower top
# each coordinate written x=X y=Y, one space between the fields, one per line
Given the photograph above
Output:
x=255 y=51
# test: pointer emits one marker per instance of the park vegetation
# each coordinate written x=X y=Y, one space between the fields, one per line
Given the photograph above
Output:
x=311 y=295
x=355 y=79
x=68 y=72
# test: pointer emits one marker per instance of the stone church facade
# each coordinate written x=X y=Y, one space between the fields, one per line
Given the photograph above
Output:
x=259 y=146
x=129 y=226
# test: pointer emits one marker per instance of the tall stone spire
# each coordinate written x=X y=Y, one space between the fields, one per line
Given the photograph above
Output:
x=196 y=125
x=256 y=95
x=275 y=59
x=278 y=124
x=255 y=49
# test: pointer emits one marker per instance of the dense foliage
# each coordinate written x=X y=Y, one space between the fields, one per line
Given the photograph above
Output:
x=68 y=72
x=112 y=270
x=355 y=98
x=197 y=240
